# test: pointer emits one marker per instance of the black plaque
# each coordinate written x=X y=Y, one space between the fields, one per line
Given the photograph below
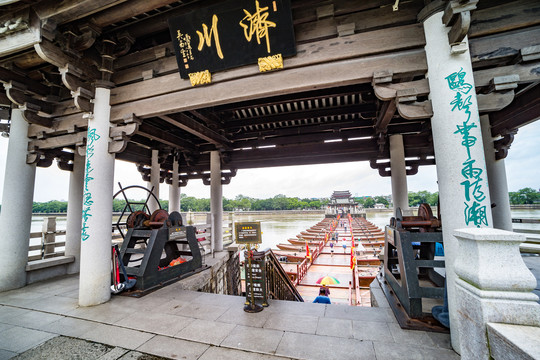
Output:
x=256 y=281
x=248 y=233
x=232 y=34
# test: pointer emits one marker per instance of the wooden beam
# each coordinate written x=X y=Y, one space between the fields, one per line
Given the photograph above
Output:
x=340 y=73
x=522 y=111
x=55 y=56
x=69 y=10
x=387 y=92
x=529 y=72
x=188 y=124
x=165 y=137
x=128 y=10
x=31 y=85
x=388 y=109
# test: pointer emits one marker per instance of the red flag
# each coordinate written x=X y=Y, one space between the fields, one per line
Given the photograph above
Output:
x=308 y=255
x=353 y=257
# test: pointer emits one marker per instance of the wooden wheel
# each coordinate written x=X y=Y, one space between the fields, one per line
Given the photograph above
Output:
x=424 y=211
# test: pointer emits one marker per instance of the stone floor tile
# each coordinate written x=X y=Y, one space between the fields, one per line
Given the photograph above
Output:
x=219 y=300
x=55 y=304
x=205 y=331
x=202 y=311
x=174 y=292
x=19 y=339
x=107 y=313
x=173 y=348
x=33 y=319
x=411 y=337
x=372 y=330
x=117 y=336
x=295 y=307
x=315 y=347
x=237 y=315
x=162 y=324
x=221 y=353
x=356 y=313
x=253 y=339
x=392 y=351
x=294 y=323
x=5 y=355
x=114 y=354
x=73 y=327
x=136 y=355
x=7 y=312
x=441 y=340
x=335 y=327
x=19 y=297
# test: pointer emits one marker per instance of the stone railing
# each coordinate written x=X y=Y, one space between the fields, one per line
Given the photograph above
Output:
x=493 y=286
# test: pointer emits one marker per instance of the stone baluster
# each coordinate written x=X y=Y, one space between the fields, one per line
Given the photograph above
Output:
x=493 y=285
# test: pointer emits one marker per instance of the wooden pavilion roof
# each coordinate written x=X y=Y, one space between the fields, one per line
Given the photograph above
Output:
x=337 y=100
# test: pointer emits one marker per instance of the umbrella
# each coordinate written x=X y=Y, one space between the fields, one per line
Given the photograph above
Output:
x=327 y=280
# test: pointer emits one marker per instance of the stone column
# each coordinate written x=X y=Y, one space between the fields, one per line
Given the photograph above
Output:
x=493 y=285
x=400 y=194
x=17 y=198
x=95 y=274
x=459 y=152
x=216 y=201
x=498 y=186
x=174 y=189
x=154 y=181
x=74 y=213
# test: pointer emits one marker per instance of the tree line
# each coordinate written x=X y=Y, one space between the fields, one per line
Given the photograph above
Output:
x=282 y=202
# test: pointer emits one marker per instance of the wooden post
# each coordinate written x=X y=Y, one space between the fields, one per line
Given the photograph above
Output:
x=48 y=236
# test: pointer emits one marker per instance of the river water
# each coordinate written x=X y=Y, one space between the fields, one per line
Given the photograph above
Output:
x=277 y=228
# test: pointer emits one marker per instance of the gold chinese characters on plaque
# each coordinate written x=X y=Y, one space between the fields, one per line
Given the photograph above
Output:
x=269 y=63
x=200 y=78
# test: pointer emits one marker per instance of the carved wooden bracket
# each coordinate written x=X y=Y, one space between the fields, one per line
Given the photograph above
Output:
x=122 y=132
x=503 y=144
x=457 y=14
x=16 y=93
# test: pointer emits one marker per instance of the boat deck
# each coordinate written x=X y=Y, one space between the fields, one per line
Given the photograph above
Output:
x=335 y=263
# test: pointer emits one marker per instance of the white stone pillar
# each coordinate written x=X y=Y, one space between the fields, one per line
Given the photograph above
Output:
x=17 y=198
x=400 y=194
x=459 y=152
x=154 y=180
x=493 y=285
x=216 y=201
x=498 y=186
x=174 y=189
x=74 y=213
x=95 y=274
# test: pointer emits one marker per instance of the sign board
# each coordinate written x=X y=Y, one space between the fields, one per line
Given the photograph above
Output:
x=389 y=235
x=232 y=33
x=248 y=232
x=256 y=281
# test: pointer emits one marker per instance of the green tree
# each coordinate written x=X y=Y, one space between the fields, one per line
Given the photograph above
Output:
x=524 y=196
x=369 y=202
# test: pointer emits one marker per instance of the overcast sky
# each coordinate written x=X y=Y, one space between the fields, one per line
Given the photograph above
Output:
x=522 y=167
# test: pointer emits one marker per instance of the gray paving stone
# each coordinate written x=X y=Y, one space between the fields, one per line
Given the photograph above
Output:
x=174 y=292
x=392 y=351
x=219 y=300
x=221 y=353
x=173 y=348
x=107 y=313
x=19 y=297
x=69 y=326
x=163 y=324
x=135 y=355
x=5 y=355
x=55 y=304
x=4 y=326
x=33 y=319
x=372 y=330
x=237 y=315
x=7 y=312
x=207 y=332
x=411 y=337
x=317 y=347
x=440 y=340
x=295 y=307
x=202 y=311
x=114 y=354
x=294 y=323
x=253 y=339
x=335 y=327
x=117 y=336
x=356 y=313
x=19 y=339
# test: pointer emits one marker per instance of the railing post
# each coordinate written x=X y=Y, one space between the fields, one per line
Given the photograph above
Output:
x=48 y=236
x=493 y=285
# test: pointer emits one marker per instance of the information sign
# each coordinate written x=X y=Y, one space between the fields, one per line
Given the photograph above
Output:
x=248 y=232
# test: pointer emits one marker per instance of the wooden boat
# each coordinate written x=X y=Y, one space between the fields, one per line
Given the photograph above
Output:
x=292 y=256
x=297 y=248
x=303 y=242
